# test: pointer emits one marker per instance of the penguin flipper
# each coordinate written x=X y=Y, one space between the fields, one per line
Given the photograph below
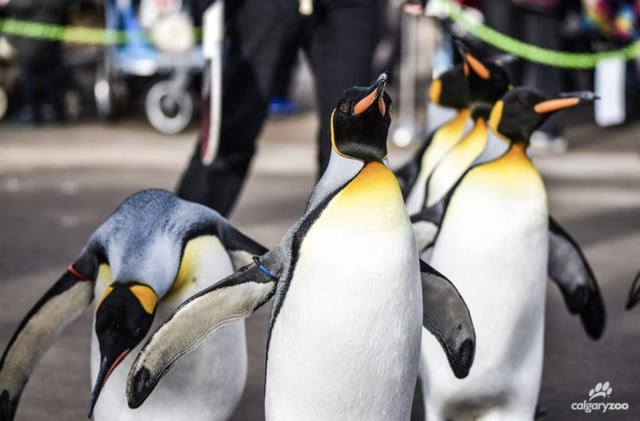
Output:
x=447 y=317
x=571 y=272
x=634 y=293
x=234 y=298
x=426 y=224
x=241 y=248
x=407 y=175
x=59 y=306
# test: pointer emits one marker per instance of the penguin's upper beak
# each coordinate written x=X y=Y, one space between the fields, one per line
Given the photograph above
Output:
x=634 y=293
x=375 y=96
x=108 y=363
x=564 y=100
x=471 y=62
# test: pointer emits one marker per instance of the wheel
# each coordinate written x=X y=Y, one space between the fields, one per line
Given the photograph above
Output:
x=169 y=110
x=103 y=92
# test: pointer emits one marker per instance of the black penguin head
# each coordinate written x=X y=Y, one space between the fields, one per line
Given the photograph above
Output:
x=450 y=89
x=487 y=81
x=360 y=122
x=123 y=318
x=520 y=111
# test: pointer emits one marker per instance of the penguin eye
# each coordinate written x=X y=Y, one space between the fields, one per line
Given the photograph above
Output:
x=344 y=106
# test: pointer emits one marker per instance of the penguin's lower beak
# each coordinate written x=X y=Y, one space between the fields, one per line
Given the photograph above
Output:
x=107 y=365
x=375 y=96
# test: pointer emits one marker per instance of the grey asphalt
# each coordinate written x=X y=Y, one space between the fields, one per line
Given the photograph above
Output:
x=57 y=184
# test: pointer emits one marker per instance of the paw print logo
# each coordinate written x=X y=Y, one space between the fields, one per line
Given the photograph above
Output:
x=601 y=390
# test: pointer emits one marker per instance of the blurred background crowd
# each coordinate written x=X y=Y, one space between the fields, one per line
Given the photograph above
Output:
x=45 y=80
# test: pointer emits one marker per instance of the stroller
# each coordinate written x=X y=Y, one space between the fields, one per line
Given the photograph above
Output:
x=157 y=60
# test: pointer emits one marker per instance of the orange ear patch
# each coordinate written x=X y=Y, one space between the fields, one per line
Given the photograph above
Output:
x=479 y=68
x=146 y=296
x=364 y=104
x=555 y=105
x=435 y=90
x=105 y=294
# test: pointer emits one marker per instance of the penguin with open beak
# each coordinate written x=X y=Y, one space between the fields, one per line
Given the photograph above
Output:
x=152 y=253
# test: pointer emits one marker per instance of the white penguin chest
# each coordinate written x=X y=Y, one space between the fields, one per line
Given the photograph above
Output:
x=346 y=339
x=497 y=218
x=493 y=246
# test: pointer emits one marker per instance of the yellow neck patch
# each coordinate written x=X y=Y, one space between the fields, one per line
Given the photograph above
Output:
x=374 y=179
x=444 y=139
x=494 y=120
x=105 y=294
x=146 y=296
x=196 y=251
x=496 y=115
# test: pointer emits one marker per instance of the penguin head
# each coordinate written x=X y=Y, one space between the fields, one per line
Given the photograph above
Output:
x=487 y=81
x=360 y=122
x=123 y=318
x=520 y=111
x=450 y=89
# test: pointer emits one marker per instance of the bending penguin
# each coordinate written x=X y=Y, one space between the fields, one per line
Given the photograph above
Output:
x=151 y=254
x=345 y=325
x=448 y=90
x=496 y=223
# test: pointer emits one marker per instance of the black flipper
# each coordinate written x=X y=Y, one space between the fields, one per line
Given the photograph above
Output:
x=447 y=317
x=408 y=173
x=234 y=298
x=570 y=270
x=634 y=293
x=241 y=248
x=426 y=224
x=59 y=306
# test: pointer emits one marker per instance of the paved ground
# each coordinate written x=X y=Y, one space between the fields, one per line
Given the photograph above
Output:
x=57 y=184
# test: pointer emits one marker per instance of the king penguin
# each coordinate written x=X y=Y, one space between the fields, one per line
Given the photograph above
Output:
x=151 y=254
x=449 y=90
x=496 y=224
x=345 y=325
x=487 y=82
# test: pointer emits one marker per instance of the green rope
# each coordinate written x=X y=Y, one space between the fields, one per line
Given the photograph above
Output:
x=70 y=34
x=534 y=53
x=88 y=35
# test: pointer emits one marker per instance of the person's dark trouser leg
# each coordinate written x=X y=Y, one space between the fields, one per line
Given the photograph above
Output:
x=257 y=33
x=340 y=49
x=543 y=29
